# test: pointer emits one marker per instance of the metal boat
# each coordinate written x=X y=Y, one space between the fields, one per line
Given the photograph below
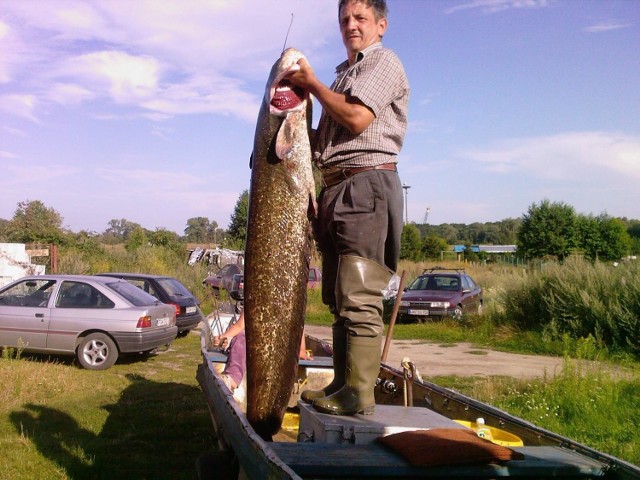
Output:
x=312 y=445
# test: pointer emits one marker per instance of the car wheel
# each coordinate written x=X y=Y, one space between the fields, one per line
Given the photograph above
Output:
x=457 y=313
x=182 y=333
x=97 y=352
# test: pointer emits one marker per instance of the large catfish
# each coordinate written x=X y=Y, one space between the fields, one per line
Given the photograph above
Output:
x=278 y=246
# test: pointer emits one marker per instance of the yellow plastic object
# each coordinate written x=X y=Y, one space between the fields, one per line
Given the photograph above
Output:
x=500 y=437
x=291 y=421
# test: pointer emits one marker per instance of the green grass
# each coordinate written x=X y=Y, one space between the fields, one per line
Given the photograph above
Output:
x=586 y=403
x=143 y=418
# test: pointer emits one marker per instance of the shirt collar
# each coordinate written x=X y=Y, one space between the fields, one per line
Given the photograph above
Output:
x=361 y=54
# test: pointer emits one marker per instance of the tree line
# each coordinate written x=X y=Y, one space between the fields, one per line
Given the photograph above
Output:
x=547 y=229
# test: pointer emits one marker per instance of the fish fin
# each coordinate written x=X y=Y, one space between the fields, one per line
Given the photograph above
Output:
x=284 y=139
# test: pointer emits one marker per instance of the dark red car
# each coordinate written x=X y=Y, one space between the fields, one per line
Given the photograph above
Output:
x=440 y=292
x=223 y=280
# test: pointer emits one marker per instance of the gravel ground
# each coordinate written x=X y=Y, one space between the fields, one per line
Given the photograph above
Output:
x=462 y=359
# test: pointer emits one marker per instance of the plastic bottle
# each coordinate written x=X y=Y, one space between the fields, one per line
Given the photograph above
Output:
x=482 y=430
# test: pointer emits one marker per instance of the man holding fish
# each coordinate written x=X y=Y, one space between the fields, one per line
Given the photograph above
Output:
x=360 y=207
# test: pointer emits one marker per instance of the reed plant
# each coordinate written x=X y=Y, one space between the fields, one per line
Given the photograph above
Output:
x=580 y=299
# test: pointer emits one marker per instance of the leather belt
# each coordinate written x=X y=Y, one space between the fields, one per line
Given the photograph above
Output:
x=332 y=176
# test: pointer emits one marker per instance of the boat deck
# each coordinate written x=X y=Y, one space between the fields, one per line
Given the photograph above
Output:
x=339 y=447
x=326 y=460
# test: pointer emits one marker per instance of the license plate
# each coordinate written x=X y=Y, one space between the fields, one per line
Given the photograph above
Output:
x=191 y=309
x=418 y=312
x=163 y=322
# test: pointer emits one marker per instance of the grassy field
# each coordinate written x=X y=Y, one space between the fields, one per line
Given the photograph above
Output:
x=143 y=418
x=147 y=418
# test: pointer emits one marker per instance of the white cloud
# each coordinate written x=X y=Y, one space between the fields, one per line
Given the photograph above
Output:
x=569 y=156
x=69 y=94
x=165 y=58
x=127 y=79
x=22 y=105
x=4 y=154
x=607 y=27
x=493 y=6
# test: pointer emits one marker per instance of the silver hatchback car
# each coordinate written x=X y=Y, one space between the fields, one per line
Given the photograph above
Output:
x=94 y=318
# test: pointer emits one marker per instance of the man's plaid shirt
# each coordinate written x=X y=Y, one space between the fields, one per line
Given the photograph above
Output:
x=378 y=80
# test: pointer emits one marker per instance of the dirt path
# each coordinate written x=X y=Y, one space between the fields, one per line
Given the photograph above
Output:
x=463 y=359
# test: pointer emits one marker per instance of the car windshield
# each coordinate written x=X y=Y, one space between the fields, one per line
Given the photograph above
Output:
x=173 y=287
x=436 y=282
x=132 y=294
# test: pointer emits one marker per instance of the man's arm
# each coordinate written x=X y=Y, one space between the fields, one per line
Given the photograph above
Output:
x=348 y=111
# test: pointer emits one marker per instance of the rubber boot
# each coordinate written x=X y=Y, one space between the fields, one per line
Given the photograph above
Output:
x=359 y=286
x=339 y=360
x=363 y=367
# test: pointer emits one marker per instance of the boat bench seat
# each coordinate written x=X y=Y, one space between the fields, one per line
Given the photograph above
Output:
x=318 y=460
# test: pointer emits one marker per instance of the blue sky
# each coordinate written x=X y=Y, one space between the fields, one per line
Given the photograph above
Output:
x=146 y=110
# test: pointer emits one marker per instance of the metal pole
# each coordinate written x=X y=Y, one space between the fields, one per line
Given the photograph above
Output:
x=406 y=205
x=394 y=314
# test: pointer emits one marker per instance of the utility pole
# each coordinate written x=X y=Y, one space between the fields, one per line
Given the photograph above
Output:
x=406 y=205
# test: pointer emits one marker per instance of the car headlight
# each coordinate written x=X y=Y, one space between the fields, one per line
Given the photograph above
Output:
x=404 y=303
x=440 y=304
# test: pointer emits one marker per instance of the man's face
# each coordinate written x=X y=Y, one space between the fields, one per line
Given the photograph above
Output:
x=359 y=27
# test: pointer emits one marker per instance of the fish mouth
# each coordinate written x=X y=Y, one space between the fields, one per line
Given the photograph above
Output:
x=286 y=96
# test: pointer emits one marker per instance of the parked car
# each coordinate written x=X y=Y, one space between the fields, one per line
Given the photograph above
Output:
x=315 y=277
x=223 y=279
x=168 y=290
x=236 y=290
x=94 y=318
x=440 y=292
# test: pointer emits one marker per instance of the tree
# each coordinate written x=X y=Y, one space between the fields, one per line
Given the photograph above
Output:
x=238 y=225
x=5 y=226
x=200 y=230
x=433 y=246
x=633 y=229
x=548 y=229
x=411 y=243
x=136 y=239
x=33 y=222
x=119 y=230
x=615 y=237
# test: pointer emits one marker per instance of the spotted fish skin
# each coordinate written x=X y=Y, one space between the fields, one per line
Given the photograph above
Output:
x=278 y=246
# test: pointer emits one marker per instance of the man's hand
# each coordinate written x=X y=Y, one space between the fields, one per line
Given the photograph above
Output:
x=305 y=77
x=348 y=111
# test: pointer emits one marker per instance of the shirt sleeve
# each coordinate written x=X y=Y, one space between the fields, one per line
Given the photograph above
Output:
x=379 y=80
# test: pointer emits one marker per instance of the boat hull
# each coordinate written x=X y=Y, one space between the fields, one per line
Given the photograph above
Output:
x=546 y=453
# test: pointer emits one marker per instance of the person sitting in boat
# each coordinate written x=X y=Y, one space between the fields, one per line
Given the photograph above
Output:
x=234 y=343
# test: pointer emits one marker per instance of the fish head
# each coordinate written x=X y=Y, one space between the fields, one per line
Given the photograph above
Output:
x=281 y=95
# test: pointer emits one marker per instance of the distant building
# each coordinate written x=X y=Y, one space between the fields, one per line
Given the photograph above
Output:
x=486 y=248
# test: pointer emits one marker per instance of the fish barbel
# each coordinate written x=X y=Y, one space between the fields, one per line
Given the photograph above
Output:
x=278 y=243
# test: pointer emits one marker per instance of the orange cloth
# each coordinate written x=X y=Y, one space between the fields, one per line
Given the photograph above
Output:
x=446 y=446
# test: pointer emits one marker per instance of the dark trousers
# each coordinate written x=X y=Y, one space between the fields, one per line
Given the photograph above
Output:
x=360 y=216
